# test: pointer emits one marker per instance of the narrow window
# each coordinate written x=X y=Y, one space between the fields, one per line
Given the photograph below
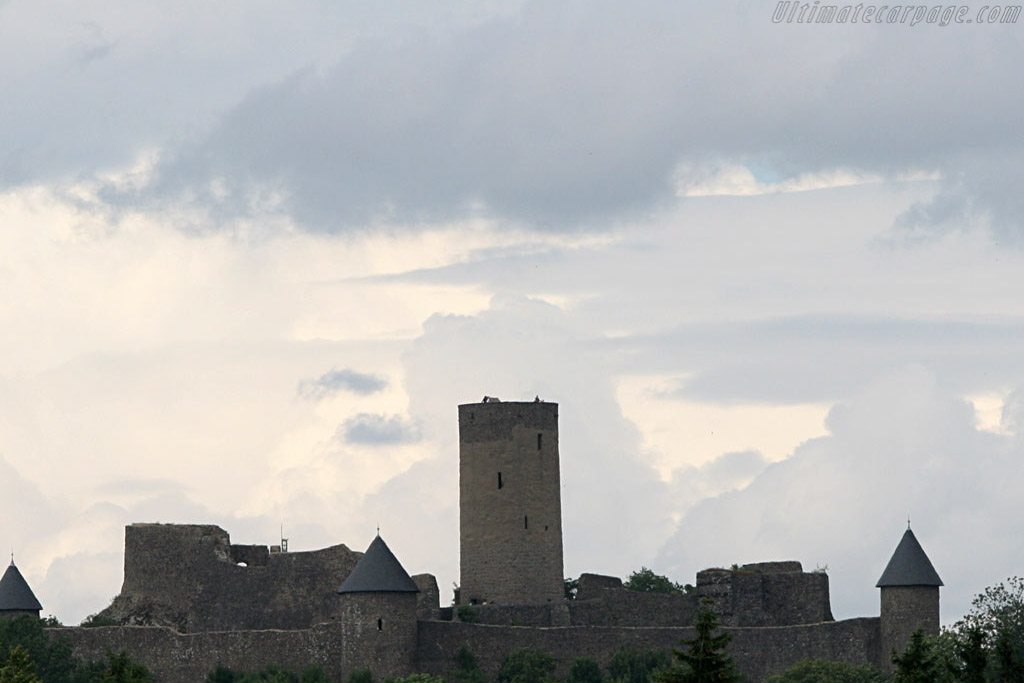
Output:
x=499 y=480
x=539 y=439
x=526 y=522
x=380 y=624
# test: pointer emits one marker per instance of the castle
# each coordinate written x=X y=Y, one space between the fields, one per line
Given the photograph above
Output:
x=192 y=600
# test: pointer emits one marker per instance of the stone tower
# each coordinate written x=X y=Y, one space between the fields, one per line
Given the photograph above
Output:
x=378 y=614
x=510 y=511
x=910 y=596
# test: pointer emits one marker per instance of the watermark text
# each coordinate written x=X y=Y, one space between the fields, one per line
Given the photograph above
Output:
x=788 y=12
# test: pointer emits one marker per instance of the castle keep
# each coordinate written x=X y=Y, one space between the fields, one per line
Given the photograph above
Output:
x=192 y=600
x=510 y=510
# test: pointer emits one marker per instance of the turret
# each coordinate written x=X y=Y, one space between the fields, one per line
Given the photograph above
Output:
x=510 y=509
x=910 y=596
x=378 y=614
x=16 y=598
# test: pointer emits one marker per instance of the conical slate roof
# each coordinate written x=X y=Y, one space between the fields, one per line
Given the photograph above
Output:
x=909 y=566
x=378 y=571
x=15 y=595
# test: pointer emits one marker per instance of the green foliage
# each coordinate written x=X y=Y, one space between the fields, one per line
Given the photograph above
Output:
x=94 y=620
x=635 y=666
x=647 y=581
x=467 y=669
x=704 y=660
x=221 y=674
x=919 y=662
x=585 y=670
x=121 y=668
x=527 y=666
x=271 y=674
x=361 y=676
x=51 y=656
x=820 y=671
x=19 y=667
x=420 y=678
x=571 y=586
x=314 y=674
x=468 y=614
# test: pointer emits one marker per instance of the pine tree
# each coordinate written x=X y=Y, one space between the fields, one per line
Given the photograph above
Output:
x=705 y=659
x=19 y=668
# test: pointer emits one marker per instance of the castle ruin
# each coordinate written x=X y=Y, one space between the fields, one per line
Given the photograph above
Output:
x=192 y=600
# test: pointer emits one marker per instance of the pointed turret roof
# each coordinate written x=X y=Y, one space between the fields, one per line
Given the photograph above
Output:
x=15 y=595
x=378 y=571
x=909 y=565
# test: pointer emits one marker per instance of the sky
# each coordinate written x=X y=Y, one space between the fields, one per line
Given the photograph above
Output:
x=254 y=254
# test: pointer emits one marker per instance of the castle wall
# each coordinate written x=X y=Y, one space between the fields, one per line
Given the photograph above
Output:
x=378 y=633
x=188 y=576
x=758 y=652
x=510 y=519
x=766 y=594
x=187 y=658
x=906 y=609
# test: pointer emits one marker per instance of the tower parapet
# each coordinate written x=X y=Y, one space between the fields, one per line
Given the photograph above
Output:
x=510 y=512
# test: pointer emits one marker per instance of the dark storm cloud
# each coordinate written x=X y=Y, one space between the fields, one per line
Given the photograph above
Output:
x=561 y=116
x=368 y=428
x=334 y=381
x=822 y=358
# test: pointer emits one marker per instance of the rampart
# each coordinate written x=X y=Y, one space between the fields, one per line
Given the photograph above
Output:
x=758 y=652
x=188 y=657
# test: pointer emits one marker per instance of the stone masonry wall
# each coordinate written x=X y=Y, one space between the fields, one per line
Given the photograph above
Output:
x=781 y=596
x=758 y=652
x=378 y=633
x=510 y=514
x=766 y=594
x=187 y=658
x=906 y=609
x=188 y=576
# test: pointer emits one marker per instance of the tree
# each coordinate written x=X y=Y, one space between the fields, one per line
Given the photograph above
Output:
x=361 y=676
x=570 y=586
x=969 y=655
x=121 y=668
x=988 y=643
x=705 y=659
x=585 y=670
x=420 y=678
x=467 y=670
x=821 y=671
x=221 y=674
x=527 y=666
x=647 y=581
x=635 y=666
x=314 y=674
x=51 y=656
x=920 y=662
x=19 y=667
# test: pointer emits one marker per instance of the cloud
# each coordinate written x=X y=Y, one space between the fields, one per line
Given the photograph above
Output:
x=334 y=381
x=565 y=118
x=902 y=445
x=520 y=348
x=793 y=359
x=366 y=428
